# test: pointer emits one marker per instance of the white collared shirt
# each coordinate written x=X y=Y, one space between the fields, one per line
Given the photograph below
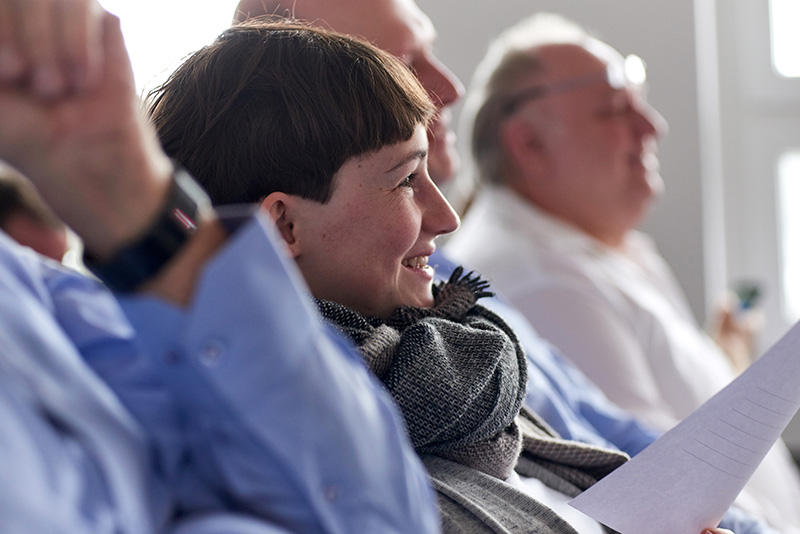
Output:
x=620 y=315
x=557 y=501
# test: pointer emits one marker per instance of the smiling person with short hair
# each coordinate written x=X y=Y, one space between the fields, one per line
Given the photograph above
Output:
x=328 y=135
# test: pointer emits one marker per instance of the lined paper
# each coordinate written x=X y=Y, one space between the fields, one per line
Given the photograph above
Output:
x=686 y=480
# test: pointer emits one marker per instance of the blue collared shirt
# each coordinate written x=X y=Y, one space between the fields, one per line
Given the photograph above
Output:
x=248 y=414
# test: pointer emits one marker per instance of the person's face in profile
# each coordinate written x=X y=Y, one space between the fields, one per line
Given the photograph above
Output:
x=368 y=246
x=598 y=142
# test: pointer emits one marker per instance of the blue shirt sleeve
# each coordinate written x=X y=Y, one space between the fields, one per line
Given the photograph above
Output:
x=279 y=416
x=72 y=458
x=252 y=403
x=739 y=522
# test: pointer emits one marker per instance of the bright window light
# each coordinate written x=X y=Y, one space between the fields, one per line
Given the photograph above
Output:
x=788 y=198
x=160 y=33
x=785 y=15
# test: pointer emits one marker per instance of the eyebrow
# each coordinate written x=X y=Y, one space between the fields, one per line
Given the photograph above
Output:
x=419 y=154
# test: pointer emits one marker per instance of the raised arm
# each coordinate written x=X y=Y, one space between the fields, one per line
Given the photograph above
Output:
x=72 y=122
x=278 y=418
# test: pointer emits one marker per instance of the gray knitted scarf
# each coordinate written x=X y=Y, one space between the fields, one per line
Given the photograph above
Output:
x=456 y=370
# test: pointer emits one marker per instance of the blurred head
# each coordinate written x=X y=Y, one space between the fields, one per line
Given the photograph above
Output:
x=328 y=134
x=400 y=28
x=27 y=219
x=561 y=118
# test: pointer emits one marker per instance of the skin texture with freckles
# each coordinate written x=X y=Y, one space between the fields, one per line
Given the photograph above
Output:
x=400 y=28
x=362 y=247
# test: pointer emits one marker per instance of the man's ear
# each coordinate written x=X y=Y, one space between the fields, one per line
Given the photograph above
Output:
x=523 y=144
x=282 y=209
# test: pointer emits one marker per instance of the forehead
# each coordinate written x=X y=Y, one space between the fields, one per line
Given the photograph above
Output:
x=394 y=157
x=397 y=26
x=567 y=60
x=361 y=175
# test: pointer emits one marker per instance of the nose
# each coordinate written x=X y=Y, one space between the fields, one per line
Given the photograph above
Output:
x=648 y=122
x=442 y=85
x=438 y=217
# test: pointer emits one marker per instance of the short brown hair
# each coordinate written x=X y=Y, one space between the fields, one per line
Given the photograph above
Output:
x=280 y=106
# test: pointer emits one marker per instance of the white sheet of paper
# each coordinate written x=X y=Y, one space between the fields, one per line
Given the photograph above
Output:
x=686 y=480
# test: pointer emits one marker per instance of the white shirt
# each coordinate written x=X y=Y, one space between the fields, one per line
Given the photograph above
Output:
x=620 y=315
x=557 y=501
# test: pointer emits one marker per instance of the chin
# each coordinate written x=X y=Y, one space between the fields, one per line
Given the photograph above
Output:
x=421 y=301
x=656 y=184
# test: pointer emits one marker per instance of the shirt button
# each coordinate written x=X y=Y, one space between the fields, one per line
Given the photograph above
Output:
x=211 y=354
x=331 y=493
x=171 y=357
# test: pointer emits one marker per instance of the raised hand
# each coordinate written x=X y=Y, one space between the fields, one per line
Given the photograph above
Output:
x=72 y=121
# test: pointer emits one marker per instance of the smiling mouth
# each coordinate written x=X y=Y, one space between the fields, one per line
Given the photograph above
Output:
x=418 y=262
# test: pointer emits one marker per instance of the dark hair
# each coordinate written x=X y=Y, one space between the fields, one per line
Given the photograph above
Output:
x=280 y=106
x=19 y=197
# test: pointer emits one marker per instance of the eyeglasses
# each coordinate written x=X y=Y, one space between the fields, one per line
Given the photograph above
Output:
x=631 y=72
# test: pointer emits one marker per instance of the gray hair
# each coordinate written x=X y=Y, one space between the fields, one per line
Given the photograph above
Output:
x=508 y=66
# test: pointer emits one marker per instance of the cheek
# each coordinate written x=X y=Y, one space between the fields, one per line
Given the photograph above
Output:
x=619 y=140
x=395 y=234
x=608 y=151
x=372 y=237
x=399 y=233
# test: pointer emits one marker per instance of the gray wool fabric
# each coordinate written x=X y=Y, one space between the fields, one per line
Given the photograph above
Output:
x=455 y=370
x=574 y=462
x=458 y=375
x=470 y=502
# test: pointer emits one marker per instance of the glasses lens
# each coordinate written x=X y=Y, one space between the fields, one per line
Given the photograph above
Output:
x=635 y=70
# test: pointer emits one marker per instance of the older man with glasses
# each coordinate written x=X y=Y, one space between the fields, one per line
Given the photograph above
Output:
x=564 y=143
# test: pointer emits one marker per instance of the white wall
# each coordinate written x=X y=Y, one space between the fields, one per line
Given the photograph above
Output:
x=663 y=33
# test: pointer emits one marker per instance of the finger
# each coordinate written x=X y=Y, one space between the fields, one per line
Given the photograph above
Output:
x=80 y=41
x=117 y=64
x=35 y=39
x=11 y=66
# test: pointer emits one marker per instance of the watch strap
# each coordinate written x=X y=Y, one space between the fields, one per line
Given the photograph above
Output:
x=176 y=223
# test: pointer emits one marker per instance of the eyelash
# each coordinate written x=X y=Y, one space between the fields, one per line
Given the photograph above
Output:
x=408 y=181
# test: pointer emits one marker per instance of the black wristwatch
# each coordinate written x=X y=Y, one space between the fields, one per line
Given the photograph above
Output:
x=176 y=223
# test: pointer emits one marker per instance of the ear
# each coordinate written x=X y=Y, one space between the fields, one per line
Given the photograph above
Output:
x=523 y=145
x=281 y=208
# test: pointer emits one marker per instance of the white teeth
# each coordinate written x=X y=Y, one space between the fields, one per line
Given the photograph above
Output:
x=416 y=263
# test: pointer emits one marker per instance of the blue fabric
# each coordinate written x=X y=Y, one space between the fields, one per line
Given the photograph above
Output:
x=244 y=401
x=72 y=459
